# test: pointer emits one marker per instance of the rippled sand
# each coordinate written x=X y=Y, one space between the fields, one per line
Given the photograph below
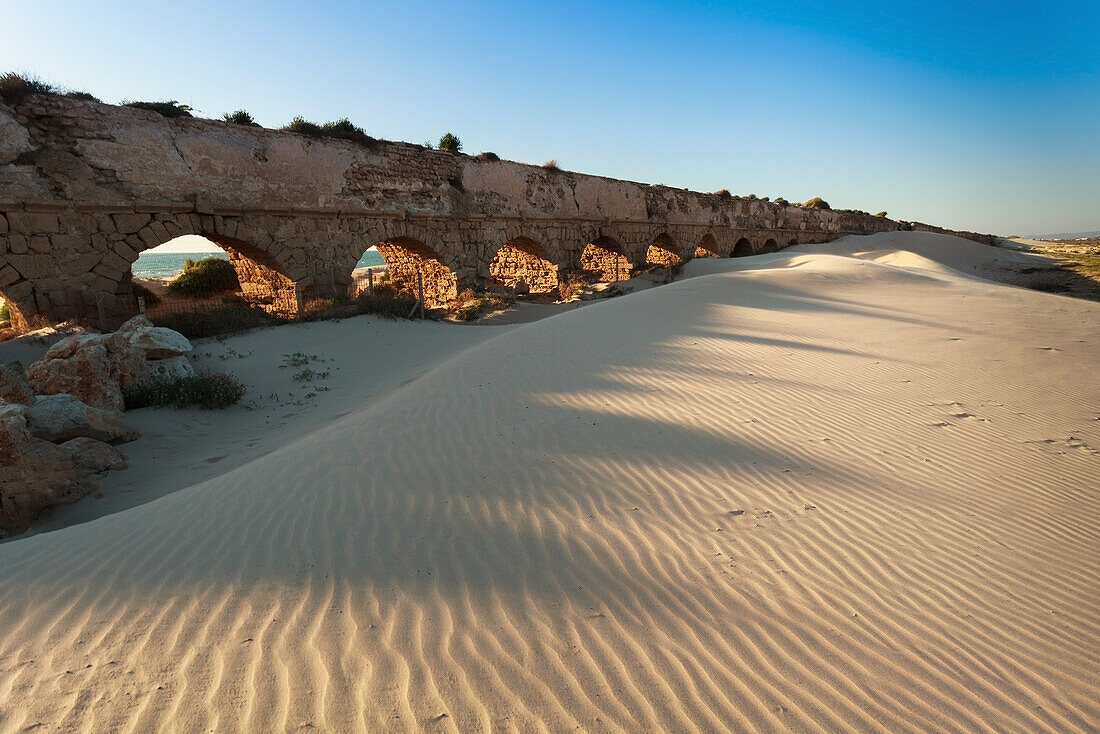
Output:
x=802 y=492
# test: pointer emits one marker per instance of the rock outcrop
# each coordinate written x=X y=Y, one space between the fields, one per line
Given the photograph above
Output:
x=95 y=368
x=13 y=384
x=58 y=418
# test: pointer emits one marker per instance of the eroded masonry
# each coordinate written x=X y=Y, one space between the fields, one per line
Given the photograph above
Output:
x=85 y=187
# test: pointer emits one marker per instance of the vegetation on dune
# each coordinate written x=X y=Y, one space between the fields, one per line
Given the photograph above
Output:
x=552 y=165
x=471 y=304
x=209 y=392
x=205 y=277
x=230 y=317
x=816 y=203
x=141 y=291
x=450 y=143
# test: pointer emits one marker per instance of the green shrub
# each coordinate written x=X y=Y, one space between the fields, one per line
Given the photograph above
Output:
x=303 y=126
x=724 y=193
x=470 y=303
x=341 y=129
x=781 y=201
x=450 y=143
x=139 y=290
x=5 y=311
x=206 y=277
x=817 y=203
x=83 y=96
x=14 y=87
x=488 y=156
x=240 y=117
x=171 y=108
x=575 y=282
x=208 y=392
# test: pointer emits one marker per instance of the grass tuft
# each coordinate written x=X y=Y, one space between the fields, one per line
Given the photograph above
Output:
x=209 y=392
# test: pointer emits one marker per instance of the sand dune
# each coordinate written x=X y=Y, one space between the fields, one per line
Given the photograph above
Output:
x=802 y=492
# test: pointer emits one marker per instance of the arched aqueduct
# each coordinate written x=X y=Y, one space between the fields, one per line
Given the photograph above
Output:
x=86 y=187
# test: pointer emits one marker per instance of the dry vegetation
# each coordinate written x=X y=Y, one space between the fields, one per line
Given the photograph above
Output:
x=1074 y=272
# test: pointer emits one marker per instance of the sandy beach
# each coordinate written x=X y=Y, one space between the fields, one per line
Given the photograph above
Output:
x=842 y=487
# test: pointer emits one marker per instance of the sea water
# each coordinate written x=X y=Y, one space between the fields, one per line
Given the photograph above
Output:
x=169 y=264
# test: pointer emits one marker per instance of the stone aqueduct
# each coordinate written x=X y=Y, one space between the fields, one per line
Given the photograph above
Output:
x=85 y=187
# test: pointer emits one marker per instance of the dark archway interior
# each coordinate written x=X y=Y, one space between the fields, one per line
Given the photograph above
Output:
x=605 y=258
x=406 y=259
x=742 y=248
x=662 y=252
x=707 y=247
x=523 y=264
x=770 y=246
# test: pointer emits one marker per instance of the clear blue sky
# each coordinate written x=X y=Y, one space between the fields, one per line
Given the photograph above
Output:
x=982 y=116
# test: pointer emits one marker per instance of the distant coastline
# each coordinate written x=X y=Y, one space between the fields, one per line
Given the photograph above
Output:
x=170 y=264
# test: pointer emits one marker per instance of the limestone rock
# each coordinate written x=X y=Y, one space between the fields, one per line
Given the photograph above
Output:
x=95 y=368
x=62 y=417
x=171 y=368
x=13 y=384
x=14 y=435
x=45 y=474
x=137 y=322
x=159 y=343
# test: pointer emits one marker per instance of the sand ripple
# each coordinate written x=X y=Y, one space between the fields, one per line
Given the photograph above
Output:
x=832 y=497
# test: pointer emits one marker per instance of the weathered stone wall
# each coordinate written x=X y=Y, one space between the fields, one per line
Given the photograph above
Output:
x=524 y=262
x=85 y=187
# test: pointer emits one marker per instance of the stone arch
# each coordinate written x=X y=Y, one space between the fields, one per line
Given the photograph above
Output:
x=770 y=245
x=792 y=242
x=742 y=248
x=406 y=258
x=523 y=260
x=15 y=312
x=604 y=257
x=264 y=281
x=707 y=247
x=662 y=251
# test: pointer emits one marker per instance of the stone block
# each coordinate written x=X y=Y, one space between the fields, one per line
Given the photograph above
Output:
x=8 y=275
x=33 y=222
x=149 y=238
x=61 y=243
x=130 y=223
x=161 y=233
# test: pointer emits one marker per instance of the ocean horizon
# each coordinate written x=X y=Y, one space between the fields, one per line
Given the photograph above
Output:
x=169 y=264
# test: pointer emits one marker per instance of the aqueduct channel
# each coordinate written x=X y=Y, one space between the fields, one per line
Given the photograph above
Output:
x=85 y=187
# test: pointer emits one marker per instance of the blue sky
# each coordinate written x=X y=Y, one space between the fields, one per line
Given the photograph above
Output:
x=982 y=116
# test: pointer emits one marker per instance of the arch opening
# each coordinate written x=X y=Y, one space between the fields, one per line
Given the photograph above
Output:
x=605 y=258
x=663 y=252
x=523 y=265
x=259 y=281
x=13 y=315
x=770 y=246
x=707 y=247
x=743 y=247
x=792 y=242
x=406 y=259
